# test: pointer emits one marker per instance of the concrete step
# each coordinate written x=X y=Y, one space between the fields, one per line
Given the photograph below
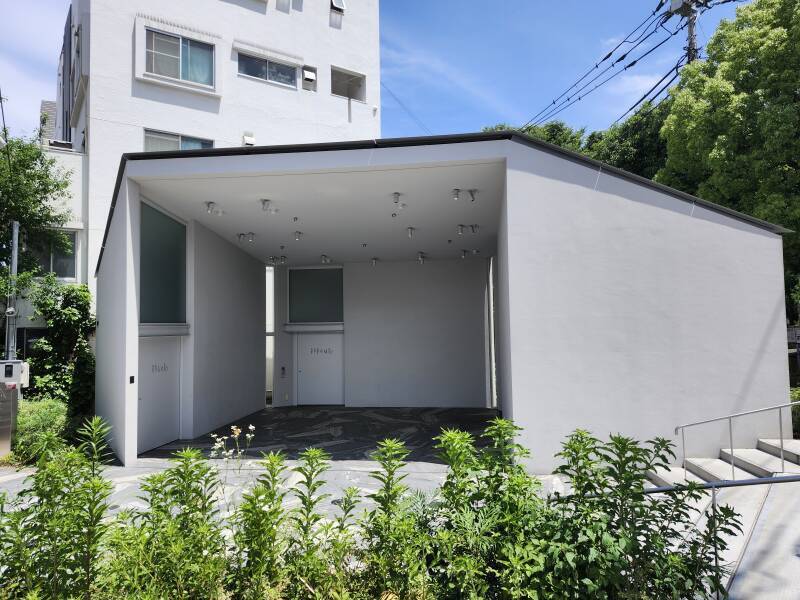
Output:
x=791 y=449
x=663 y=477
x=715 y=469
x=758 y=462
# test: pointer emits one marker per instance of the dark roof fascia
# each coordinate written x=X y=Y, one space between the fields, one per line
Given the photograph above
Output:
x=433 y=140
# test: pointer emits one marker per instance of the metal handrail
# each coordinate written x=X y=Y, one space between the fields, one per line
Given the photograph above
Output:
x=730 y=418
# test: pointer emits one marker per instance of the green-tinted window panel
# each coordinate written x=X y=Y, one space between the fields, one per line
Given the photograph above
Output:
x=315 y=296
x=162 y=267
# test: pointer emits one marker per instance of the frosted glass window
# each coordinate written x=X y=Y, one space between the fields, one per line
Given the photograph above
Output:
x=315 y=296
x=163 y=54
x=162 y=267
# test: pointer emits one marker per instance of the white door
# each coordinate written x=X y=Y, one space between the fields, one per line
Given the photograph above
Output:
x=159 y=391
x=320 y=368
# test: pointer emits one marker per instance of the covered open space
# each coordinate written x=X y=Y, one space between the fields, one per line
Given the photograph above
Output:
x=460 y=274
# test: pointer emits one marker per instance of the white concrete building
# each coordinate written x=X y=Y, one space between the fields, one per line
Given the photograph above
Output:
x=155 y=75
x=462 y=271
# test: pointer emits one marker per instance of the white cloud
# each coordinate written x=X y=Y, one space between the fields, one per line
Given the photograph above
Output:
x=402 y=59
x=632 y=84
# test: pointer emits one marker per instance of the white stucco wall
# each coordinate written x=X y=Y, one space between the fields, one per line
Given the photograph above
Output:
x=632 y=311
x=117 y=326
x=120 y=105
x=415 y=334
x=227 y=332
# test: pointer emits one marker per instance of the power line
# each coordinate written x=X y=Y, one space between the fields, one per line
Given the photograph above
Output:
x=646 y=23
x=675 y=70
x=564 y=105
x=410 y=113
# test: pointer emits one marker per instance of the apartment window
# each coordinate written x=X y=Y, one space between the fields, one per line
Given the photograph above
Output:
x=347 y=84
x=158 y=141
x=338 y=5
x=180 y=58
x=268 y=70
x=60 y=260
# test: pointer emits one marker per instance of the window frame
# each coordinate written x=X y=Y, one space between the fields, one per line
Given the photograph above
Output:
x=149 y=29
x=267 y=62
x=76 y=247
x=353 y=75
x=180 y=137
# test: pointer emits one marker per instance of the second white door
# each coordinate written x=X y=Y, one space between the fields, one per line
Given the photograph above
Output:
x=320 y=368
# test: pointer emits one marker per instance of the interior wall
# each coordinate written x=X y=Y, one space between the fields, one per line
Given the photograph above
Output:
x=227 y=332
x=632 y=311
x=117 y=337
x=414 y=335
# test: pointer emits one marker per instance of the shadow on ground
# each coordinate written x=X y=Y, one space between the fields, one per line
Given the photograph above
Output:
x=346 y=433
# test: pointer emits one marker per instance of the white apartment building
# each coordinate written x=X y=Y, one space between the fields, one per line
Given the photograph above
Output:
x=154 y=75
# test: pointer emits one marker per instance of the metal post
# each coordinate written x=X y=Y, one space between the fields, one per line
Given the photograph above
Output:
x=11 y=312
x=780 y=428
x=716 y=548
x=730 y=436
x=683 y=447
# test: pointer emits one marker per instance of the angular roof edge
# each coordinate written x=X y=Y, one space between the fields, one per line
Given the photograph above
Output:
x=432 y=140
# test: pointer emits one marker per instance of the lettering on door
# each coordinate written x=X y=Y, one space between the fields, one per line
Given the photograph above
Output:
x=160 y=367
x=316 y=350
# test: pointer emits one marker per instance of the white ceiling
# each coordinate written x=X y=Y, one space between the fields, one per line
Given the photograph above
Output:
x=339 y=211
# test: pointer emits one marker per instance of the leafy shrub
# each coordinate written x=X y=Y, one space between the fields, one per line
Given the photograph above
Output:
x=487 y=533
x=50 y=534
x=62 y=362
x=174 y=547
x=794 y=396
x=40 y=427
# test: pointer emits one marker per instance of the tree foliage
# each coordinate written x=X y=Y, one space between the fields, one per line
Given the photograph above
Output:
x=732 y=130
x=31 y=192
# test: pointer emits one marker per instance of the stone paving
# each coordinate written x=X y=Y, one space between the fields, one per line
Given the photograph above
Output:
x=348 y=434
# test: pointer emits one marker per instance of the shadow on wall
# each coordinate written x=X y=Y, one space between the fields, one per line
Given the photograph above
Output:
x=258 y=6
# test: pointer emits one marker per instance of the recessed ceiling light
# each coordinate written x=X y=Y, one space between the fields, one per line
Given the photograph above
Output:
x=214 y=210
x=268 y=206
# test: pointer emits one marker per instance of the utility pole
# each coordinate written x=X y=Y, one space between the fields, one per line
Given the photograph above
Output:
x=11 y=308
x=691 y=32
x=688 y=9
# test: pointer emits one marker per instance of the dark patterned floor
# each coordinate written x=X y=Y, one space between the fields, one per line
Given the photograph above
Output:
x=346 y=433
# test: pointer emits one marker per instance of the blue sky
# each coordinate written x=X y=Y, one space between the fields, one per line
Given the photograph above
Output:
x=458 y=65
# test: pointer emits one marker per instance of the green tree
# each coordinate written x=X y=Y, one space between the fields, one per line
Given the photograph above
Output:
x=732 y=131
x=554 y=132
x=634 y=145
x=32 y=188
